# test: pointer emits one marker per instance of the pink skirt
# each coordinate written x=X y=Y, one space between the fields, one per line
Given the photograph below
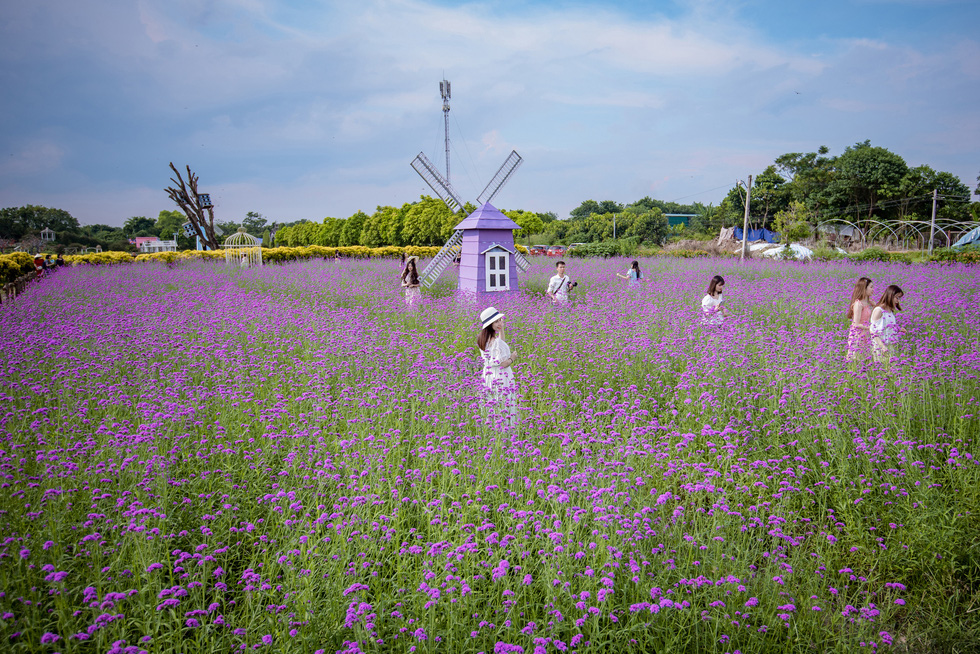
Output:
x=858 y=343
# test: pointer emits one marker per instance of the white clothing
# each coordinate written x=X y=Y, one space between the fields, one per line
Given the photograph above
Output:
x=634 y=277
x=413 y=294
x=884 y=333
x=558 y=286
x=711 y=308
x=885 y=327
x=499 y=387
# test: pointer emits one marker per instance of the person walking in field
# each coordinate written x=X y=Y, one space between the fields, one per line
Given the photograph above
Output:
x=633 y=275
x=410 y=282
x=560 y=285
x=884 y=331
x=859 y=311
x=713 y=313
x=499 y=386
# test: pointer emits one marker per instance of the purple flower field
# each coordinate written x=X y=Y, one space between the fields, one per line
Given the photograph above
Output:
x=287 y=459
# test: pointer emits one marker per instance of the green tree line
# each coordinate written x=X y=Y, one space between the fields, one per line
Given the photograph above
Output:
x=864 y=185
x=426 y=222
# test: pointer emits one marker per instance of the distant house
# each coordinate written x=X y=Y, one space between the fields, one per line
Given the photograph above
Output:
x=151 y=244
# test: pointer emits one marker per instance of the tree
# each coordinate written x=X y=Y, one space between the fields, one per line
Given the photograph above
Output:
x=351 y=233
x=650 y=226
x=254 y=223
x=228 y=228
x=188 y=199
x=863 y=177
x=170 y=222
x=138 y=224
x=377 y=228
x=708 y=217
x=425 y=220
x=794 y=222
x=590 y=207
x=768 y=195
x=332 y=229
x=809 y=175
x=529 y=222
x=17 y=221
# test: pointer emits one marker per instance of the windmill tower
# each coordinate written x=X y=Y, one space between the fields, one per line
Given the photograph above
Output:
x=444 y=91
x=484 y=240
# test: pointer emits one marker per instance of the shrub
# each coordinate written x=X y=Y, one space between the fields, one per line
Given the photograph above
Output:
x=825 y=253
x=871 y=254
x=969 y=255
x=97 y=258
x=797 y=231
x=900 y=257
x=14 y=265
x=610 y=249
x=686 y=254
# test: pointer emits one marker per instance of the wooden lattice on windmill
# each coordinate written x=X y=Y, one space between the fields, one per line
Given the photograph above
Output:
x=483 y=241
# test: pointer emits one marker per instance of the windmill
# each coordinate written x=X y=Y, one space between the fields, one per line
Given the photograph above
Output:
x=483 y=240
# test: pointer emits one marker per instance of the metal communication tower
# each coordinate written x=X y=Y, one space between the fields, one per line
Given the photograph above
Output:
x=444 y=91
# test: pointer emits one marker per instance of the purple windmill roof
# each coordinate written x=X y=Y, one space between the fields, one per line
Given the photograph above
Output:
x=487 y=217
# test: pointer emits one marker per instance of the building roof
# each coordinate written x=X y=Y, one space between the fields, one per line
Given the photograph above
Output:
x=487 y=217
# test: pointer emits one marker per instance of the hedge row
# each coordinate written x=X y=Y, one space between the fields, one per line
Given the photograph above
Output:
x=271 y=255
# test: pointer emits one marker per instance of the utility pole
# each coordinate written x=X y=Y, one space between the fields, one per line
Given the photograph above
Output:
x=614 y=227
x=932 y=227
x=444 y=91
x=745 y=222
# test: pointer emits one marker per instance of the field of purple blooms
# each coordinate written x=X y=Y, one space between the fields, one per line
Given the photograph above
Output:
x=198 y=459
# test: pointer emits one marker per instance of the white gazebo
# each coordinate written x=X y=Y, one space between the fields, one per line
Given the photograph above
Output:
x=243 y=250
x=47 y=235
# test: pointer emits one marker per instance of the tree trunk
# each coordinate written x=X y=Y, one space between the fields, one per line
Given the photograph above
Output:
x=190 y=203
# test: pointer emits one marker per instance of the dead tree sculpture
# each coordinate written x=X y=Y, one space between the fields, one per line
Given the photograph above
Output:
x=190 y=203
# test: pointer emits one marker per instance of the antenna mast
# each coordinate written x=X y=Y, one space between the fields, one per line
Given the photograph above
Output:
x=444 y=91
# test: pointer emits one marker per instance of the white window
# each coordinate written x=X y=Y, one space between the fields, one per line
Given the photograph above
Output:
x=498 y=270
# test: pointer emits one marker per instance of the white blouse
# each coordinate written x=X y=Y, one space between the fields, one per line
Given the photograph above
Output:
x=885 y=327
x=711 y=307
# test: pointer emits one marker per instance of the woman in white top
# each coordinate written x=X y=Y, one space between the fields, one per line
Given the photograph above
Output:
x=499 y=387
x=633 y=274
x=884 y=331
x=714 y=312
x=410 y=282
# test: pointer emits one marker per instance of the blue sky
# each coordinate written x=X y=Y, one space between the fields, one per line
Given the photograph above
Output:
x=301 y=110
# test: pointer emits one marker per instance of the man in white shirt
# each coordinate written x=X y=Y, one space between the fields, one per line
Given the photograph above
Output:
x=559 y=285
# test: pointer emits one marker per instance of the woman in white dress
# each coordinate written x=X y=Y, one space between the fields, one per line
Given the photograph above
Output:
x=499 y=387
x=410 y=282
x=711 y=308
x=884 y=331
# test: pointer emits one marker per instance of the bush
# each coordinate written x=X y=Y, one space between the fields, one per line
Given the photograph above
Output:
x=609 y=249
x=900 y=257
x=97 y=258
x=269 y=255
x=687 y=254
x=797 y=231
x=970 y=255
x=872 y=254
x=14 y=265
x=825 y=253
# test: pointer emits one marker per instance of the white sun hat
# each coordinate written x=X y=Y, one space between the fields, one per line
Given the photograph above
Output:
x=489 y=316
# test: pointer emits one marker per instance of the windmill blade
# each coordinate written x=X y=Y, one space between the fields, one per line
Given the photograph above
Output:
x=439 y=184
x=442 y=259
x=498 y=181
